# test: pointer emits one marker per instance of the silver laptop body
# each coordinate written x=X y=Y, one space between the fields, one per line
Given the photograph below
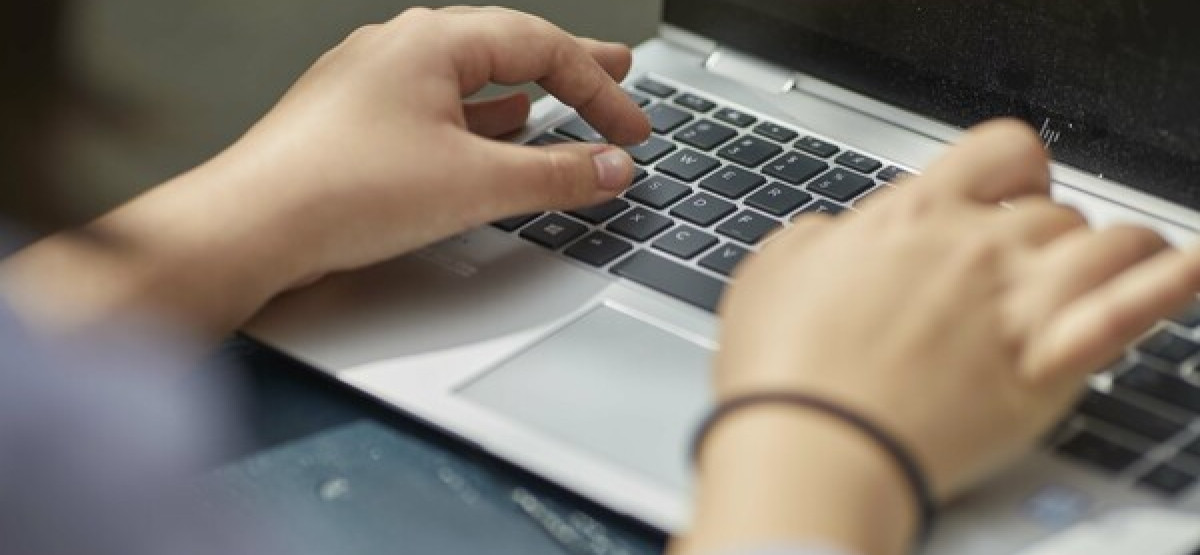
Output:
x=595 y=381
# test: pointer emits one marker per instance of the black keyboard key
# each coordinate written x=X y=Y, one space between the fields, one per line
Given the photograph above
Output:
x=705 y=135
x=601 y=213
x=817 y=147
x=693 y=102
x=703 y=209
x=553 y=231
x=748 y=226
x=892 y=174
x=546 y=139
x=1168 y=479
x=859 y=162
x=688 y=165
x=650 y=151
x=658 y=192
x=778 y=199
x=685 y=241
x=775 y=132
x=822 y=207
x=1129 y=417
x=1189 y=318
x=732 y=182
x=1095 y=450
x=655 y=88
x=514 y=223
x=678 y=281
x=735 y=118
x=795 y=168
x=1169 y=347
x=598 y=249
x=1162 y=386
x=640 y=99
x=841 y=185
x=580 y=131
x=725 y=259
x=639 y=224
x=665 y=119
x=750 y=151
x=1193 y=449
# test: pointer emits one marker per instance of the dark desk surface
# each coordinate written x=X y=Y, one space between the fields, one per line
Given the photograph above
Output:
x=342 y=474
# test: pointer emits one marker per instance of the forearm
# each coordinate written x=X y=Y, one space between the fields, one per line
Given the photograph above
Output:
x=200 y=251
x=775 y=475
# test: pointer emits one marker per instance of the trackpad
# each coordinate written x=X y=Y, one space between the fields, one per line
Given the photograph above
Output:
x=610 y=384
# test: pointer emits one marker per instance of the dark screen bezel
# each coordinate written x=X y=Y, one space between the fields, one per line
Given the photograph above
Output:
x=1087 y=146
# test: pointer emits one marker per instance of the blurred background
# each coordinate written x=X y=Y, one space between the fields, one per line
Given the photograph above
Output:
x=184 y=78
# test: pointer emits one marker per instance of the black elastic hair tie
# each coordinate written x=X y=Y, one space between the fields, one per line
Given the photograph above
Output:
x=916 y=478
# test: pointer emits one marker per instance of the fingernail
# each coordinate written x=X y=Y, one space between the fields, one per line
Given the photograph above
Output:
x=613 y=168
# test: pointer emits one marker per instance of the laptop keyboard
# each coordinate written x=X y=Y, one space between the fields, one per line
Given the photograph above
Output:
x=715 y=180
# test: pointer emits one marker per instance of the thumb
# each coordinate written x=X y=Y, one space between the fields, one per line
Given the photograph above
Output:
x=526 y=179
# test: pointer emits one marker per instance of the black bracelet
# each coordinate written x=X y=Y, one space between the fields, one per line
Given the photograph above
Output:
x=922 y=492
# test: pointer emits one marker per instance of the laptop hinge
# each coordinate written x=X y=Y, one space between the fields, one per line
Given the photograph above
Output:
x=750 y=71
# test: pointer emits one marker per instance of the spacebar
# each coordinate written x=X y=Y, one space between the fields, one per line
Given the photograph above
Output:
x=677 y=281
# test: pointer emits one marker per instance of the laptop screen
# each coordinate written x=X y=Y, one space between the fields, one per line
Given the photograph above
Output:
x=1114 y=85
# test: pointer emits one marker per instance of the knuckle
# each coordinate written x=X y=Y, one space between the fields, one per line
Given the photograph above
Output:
x=1116 y=326
x=1070 y=215
x=1140 y=239
x=982 y=250
x=915 y=203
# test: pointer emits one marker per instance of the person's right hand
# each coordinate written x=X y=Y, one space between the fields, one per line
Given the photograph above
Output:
x=964 y=328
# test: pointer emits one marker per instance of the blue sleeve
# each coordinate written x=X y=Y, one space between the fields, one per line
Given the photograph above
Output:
x=100 y=445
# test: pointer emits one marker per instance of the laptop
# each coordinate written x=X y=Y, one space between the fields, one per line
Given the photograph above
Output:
x=578 y=344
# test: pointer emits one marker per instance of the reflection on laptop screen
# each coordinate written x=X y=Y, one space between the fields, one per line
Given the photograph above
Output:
x=1113 y=84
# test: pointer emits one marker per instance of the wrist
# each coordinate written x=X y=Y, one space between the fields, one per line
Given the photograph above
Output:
x=774 y=473
x=202 y=250
x=230 y=239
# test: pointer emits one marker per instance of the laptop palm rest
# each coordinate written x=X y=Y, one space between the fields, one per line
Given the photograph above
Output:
x=609 y=384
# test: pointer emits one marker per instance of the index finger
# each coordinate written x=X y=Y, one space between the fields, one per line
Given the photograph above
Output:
x=508 y=47
x=996 y=161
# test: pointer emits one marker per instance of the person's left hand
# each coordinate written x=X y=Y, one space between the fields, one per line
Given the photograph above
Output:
x=374 y=152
